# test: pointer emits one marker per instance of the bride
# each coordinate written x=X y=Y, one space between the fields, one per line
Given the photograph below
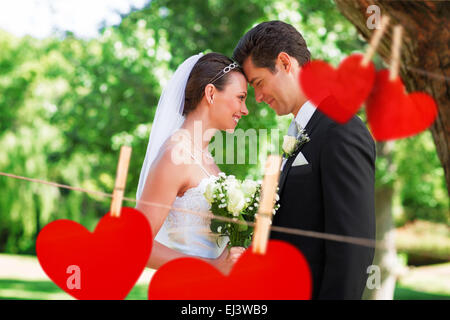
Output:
x=207 y=92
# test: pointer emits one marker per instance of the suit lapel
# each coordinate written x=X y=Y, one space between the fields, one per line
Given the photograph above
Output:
x=312 y=124
x=286 y=168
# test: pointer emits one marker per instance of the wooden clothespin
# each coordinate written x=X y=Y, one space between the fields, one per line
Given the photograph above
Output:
x=395 y=52
x=375 y=41
x=121 y=178
x=265 y=210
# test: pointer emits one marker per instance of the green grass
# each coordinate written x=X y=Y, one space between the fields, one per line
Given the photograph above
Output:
x=406 y=293
x=43 y=290
x=46 y=290
x=424 y=242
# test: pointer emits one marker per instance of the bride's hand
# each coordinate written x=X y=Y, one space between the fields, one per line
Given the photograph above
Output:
x=228 y=258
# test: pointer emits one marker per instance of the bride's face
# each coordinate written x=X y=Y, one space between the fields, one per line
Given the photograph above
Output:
x=229 y=105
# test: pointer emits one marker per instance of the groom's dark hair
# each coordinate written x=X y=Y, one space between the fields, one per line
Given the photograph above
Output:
x=264 y=42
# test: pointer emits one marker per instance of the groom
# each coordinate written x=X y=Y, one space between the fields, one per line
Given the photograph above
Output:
x=327 y=185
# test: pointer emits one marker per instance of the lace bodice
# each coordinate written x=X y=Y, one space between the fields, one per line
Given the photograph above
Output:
x=189 y=233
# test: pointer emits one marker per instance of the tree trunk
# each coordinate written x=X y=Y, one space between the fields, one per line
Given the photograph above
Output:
x=385 y=259
x=425 y=54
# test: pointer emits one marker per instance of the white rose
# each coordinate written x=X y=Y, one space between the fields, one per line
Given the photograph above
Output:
x=230 y=179
x=232 y=183
x=249 y=187
x=289 y=144
x=236 y=200
x=209 y=192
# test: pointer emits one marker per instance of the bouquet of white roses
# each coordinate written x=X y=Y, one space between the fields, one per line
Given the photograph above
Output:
x=238 y=200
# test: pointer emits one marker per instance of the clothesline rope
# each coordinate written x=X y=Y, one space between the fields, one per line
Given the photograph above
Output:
x=427 y=73
x=379 y=244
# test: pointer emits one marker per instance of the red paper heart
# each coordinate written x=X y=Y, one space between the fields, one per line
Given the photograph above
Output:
x=281 y=274
x=350 y=85
x=393 y=114
x=109 y=260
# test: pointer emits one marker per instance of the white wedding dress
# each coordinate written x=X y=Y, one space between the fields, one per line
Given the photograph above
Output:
x=190 y=233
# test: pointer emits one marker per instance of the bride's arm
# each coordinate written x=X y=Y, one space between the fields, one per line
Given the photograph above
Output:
x=162 y=185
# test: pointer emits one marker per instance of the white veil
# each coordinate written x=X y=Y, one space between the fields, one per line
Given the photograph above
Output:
x=168 y=117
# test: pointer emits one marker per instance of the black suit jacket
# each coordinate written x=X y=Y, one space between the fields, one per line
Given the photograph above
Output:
x=333 y=193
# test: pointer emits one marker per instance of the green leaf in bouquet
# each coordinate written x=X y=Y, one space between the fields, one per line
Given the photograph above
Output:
x=215 y=224
x=218 y=211
x=242 y=227
x=247 y=233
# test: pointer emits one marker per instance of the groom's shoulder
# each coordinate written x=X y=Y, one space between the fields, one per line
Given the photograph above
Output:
x=354 y=129
x=353 y=126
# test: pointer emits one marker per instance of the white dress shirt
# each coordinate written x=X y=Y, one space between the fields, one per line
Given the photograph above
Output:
x=303 y=116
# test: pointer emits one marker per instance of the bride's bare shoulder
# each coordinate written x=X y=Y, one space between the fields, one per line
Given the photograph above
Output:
x=165 y=178
x=173 y=158
x=176 y=151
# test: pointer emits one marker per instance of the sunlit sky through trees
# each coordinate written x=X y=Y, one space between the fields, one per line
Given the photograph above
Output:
x=41 y=18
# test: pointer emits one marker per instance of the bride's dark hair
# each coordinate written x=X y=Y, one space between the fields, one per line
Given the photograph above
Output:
x=207 y=68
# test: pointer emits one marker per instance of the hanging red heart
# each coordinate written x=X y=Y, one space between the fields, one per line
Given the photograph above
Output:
x=281 y=274
x=349 y=84
x=394 y=114
x=104 y=264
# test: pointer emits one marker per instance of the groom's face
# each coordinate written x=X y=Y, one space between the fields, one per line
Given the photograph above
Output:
x=278 y=89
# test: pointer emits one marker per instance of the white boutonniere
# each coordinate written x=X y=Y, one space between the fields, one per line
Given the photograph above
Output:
x=291 y=143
